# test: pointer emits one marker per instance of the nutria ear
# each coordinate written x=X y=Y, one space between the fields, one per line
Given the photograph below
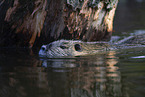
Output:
x=78 y=47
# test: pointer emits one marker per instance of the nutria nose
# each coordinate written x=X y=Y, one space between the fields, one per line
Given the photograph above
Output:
x=43 y=47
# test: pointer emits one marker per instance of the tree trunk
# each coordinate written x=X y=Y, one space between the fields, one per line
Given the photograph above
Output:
x=37 y=22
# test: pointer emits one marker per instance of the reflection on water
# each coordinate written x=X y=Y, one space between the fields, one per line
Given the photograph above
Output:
x=104 y=75
x=89 y=77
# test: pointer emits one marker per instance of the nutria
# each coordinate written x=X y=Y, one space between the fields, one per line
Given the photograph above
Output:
x=79 y=48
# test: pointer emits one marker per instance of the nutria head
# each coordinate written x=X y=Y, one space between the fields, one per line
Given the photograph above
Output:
x=71 y=48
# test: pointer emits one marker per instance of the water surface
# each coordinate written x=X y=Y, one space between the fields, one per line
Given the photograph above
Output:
x=113 y=74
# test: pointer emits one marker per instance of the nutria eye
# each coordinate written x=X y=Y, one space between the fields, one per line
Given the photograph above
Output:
x=63 y=47
x=78 y=47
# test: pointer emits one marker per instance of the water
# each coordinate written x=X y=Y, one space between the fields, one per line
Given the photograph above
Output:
x=114 y=74
x=129 y=16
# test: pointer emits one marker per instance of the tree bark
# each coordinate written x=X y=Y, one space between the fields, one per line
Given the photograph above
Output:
x=35 y=22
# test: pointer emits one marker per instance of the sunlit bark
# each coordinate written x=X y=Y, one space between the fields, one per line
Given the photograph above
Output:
x=36 y=22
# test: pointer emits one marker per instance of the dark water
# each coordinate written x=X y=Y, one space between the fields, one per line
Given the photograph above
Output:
x=114 y=74
x=129 y=16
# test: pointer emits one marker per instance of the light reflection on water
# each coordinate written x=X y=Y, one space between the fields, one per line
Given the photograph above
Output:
x=114 y=74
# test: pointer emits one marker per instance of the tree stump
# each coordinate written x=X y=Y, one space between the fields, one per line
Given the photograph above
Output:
x=28 y=23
